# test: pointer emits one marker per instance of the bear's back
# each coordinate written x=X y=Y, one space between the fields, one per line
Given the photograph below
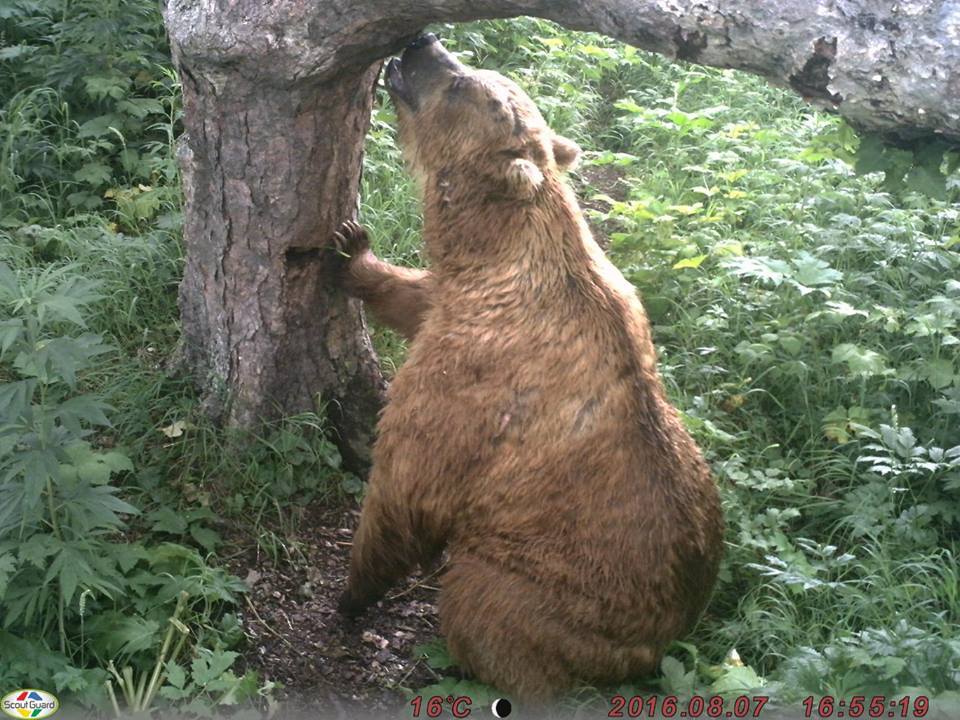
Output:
x=563 y=458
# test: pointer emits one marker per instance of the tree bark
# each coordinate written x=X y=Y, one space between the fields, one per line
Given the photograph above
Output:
x=276 y=103
x=268 y=173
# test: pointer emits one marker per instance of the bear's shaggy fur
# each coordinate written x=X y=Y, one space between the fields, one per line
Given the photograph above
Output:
x=527 y=433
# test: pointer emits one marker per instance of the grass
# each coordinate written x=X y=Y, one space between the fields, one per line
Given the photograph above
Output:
x=806 y=319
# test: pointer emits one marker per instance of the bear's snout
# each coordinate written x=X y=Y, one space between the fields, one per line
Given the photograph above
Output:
x=421 y=67
x=422 y=41
x=426 y=51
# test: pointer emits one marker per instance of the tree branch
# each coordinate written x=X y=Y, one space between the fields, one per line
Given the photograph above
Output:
x=885 y=66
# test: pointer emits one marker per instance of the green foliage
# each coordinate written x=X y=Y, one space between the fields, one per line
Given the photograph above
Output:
x=92 y=589
x=68 y=578
x=56 y=503
x=436 y=655
x=91 y=109
x=807 y=317
x=922 y=166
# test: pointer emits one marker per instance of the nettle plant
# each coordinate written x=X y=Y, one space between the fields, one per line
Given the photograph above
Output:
x=77 y=600
x=56 y=503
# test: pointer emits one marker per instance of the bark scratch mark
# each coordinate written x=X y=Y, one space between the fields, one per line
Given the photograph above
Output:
x=813 y=80
x=689 y=44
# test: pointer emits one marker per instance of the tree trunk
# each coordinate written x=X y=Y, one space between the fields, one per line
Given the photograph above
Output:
x=276 y=103
x=269 y=173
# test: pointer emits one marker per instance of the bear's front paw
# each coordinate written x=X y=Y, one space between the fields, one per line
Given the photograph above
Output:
x=350 y=607
x=351 y=239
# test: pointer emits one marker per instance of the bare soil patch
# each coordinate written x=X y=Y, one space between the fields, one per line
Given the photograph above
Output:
x=329 y=666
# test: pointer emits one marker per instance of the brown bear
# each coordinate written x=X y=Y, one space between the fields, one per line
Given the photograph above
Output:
x=528 y=433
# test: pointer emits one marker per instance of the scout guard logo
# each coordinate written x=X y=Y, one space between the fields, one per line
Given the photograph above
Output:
x=29 y=703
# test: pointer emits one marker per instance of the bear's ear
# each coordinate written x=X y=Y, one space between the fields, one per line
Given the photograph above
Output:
x=523 y=177
x=566 y=153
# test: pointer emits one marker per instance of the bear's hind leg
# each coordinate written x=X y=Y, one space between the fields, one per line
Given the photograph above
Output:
x=499 y=631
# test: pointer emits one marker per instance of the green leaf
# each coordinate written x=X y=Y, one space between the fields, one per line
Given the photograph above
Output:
x=169 y=692
x=61 y=358
x=93 y=173
x=7 y=567
x=16 y=51
x=84 y=407
x=65 y=308
x=97 y=467
x=791 y=344
x=691 y=262
x=859 y=360
x=127 y=555
x=11 y=506
x=92 y=507
x=737 y=681
x=208 y=539
x=68 y=567
x=132 y=163
x=10 y=331
x=118 y=633
x=844 y=309
x=37 y=548
x=435 y=653
x=630 y=107
x=481 y=695
x=812 y=271
x=100 y=126
x=110 y=503
x=761 y=268
x=676 y=680
x=351 y=484
x=939 y=373
x=146 y=204
x=892 y=666
x=140 y=107
x=15 y=398
x=101 y=87
x=36 y=467
x=167 y=520
x=72 y=679
x=84 y=199
x=9 y=283
x=210 y=665
x=176 y=675
x=330 y=454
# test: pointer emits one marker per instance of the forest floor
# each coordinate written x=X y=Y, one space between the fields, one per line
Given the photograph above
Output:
x=328 y=665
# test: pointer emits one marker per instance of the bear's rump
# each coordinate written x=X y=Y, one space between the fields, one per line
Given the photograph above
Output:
x=533 y=640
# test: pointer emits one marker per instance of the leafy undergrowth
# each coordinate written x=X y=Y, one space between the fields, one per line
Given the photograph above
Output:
x=807 y=322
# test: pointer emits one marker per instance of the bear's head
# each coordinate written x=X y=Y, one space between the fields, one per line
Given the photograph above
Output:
x=453 y=116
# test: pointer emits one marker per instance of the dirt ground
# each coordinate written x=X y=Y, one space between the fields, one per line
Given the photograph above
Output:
x=605 y=179
x=331 y=667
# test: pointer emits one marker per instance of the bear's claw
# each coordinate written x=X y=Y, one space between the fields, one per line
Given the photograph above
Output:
x=351 y=239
